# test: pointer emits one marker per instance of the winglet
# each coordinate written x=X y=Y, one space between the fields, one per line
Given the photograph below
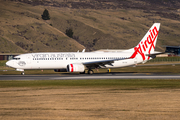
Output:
x=83 y=50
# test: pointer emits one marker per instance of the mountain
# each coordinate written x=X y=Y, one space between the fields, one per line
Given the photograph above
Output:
x=96 y=24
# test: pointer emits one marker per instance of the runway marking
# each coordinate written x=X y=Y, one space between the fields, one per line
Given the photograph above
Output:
x=118 y=77
x=95 y=76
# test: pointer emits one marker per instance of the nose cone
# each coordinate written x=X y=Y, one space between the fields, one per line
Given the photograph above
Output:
x=9 y=63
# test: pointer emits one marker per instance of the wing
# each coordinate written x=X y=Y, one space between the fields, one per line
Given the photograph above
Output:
x=99 y=64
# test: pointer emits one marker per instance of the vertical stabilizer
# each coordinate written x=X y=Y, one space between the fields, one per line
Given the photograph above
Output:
x=147 y=44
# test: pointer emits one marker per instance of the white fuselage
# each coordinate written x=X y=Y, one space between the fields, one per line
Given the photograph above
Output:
x=59 y=60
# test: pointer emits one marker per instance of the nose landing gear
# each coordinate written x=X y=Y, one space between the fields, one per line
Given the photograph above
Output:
x=22 y=71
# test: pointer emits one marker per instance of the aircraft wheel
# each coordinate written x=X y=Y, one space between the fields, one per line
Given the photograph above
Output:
x=90 y=72
x=22 y=73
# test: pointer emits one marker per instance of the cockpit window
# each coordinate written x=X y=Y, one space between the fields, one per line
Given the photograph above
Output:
x=16 y=58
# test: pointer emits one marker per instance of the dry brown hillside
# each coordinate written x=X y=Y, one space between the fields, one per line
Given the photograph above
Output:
x=97 y=24
x=23 y=30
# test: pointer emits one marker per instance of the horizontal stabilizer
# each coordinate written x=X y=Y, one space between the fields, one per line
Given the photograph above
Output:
x=153 y=55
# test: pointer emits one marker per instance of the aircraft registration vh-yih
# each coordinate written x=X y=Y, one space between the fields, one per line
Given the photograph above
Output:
x=81 y=61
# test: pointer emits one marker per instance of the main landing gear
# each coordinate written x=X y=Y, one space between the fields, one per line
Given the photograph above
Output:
x=90 y=71
x=22 y=73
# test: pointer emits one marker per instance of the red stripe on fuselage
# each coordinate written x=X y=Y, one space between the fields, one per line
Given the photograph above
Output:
x=71 y=67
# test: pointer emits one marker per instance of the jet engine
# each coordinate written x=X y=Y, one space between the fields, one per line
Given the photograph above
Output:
x=75 y=68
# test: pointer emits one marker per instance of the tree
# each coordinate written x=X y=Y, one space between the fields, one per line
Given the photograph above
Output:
x=69 y=32
x=45 y=15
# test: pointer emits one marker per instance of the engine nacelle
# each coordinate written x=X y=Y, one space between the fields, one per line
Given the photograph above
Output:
x=60 y=70
x=75 y=68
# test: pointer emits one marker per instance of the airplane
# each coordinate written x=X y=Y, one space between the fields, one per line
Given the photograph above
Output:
x=81 y=61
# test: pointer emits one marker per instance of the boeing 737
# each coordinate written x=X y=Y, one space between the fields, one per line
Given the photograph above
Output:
x=81 y=61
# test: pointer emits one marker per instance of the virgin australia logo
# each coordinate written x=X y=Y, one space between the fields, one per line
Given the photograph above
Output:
x=21 y=63
x=148 y=43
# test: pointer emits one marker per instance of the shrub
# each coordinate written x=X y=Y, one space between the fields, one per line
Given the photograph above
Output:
x=69 y=32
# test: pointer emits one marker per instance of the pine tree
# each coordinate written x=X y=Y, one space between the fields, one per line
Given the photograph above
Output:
x=45 y=15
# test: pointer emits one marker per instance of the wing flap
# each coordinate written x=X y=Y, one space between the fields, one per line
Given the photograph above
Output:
x=98 y=64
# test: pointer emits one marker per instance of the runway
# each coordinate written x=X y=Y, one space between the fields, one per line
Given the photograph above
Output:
x=94 y=76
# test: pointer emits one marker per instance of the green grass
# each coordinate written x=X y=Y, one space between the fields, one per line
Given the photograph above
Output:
x=122 y=84
x=165 y=59
x=3 y=63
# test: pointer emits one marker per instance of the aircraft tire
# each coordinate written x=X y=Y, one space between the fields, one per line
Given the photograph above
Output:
x=90 y=72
